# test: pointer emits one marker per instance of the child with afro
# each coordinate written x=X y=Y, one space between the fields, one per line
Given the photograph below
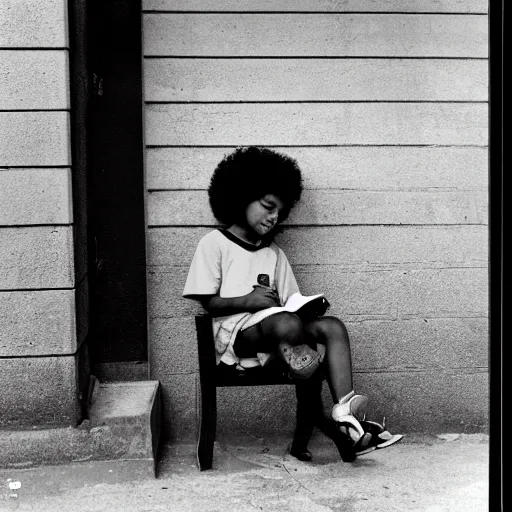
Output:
x=238 y=270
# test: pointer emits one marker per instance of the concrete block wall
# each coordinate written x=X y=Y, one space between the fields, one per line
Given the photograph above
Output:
x=384 y=105
x=40 y=335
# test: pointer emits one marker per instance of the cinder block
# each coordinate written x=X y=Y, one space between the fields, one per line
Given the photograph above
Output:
x=444 y=293
x=41 y=196
x=38 y=392
x=283 y=124
x=179 y=404
x=390 y=207
x=335 y=207
x=345 y=167
x=383 y=295
x=419 y=344
x=36 y=257
x=36 y=323
x=355 y=247
x=258 y=409
x=173 y=345
x=360 y=247
x=325 y=34
x=164 y=295
x=393 y=167
x=353 y=295
x=315 y=80
x=431 y=402
x=34 y=79
x=346 y=246
x=35 y=139
x=372 y=294
x=183 y=244
x=25 y=23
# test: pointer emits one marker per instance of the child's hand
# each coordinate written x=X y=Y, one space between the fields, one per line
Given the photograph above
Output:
x=261 y=297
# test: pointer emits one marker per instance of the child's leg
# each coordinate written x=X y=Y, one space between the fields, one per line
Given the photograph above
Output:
x=284 y=328
x=281 y=328
x=310 y=413
x=332 y=333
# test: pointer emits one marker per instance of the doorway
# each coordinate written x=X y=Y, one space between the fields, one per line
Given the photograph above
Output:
x=115 y=186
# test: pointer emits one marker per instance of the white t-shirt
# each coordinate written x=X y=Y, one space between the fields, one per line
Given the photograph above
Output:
x=224 y=264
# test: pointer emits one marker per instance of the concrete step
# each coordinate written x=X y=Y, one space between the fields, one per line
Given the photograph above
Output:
x=129 y=414
x=123 y=427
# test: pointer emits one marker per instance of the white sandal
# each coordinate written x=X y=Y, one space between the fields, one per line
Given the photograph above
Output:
x=354 y=405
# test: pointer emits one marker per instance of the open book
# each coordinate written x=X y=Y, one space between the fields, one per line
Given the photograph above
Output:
x=306 y=307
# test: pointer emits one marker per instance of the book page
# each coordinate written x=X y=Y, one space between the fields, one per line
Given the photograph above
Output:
x=293 y=304
x=296 y=301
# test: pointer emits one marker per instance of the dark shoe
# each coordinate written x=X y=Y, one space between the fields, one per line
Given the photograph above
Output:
x=352 y=449
x=301 y=454
x=380 y=437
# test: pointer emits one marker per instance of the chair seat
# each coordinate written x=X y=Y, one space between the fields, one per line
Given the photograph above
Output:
x=273 y=374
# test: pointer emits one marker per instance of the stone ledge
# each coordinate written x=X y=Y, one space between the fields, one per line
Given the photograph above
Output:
x=127 y=430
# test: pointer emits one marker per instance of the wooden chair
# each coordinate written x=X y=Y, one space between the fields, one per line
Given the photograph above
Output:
x=211 y=377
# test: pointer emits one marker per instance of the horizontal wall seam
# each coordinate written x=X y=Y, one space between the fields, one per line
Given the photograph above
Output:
x=386 y=320
x=35 y=110
x=306 y=57
x=312 y=13
x=173 y=146
x=35 y=225
x=164 y=226
x=17 y=290
x=156 y=226
x=407 y=319
x=76 y=286
x=356 y=268
x=153 y=102
x=349 y=319
x=359 y=189
x=476 y=369
x=35 y=167
x=40 y=356
x=34 y=48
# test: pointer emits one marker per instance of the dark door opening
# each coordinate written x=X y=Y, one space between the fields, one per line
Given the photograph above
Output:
x=117 y=263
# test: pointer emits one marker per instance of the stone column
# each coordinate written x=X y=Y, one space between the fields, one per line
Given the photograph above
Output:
x=41 y=351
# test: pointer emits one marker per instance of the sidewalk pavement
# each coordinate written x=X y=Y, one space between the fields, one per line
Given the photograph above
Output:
x=445 y=473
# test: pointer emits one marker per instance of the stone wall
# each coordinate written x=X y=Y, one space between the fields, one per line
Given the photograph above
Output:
x=40 y=285
x=384 y=105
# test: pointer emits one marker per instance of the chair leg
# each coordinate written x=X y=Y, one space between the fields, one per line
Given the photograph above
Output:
x=208 y=390
x=207 y=427
x=309 y=401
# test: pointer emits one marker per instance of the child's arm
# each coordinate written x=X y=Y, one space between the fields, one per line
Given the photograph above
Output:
x=259 y=298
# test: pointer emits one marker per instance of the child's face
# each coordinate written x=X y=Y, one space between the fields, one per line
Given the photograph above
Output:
x=262 y=215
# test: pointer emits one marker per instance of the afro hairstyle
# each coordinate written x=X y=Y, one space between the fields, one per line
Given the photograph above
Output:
x=248 y=174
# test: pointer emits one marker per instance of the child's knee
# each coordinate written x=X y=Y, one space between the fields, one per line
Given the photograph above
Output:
x=330 y=327
x=286 y=325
